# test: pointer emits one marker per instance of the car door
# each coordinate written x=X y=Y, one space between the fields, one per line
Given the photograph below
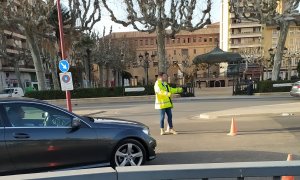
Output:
x=5 y=162
x=46 y=139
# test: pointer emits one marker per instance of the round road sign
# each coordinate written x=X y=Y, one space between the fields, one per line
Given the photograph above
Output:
x=66 y=78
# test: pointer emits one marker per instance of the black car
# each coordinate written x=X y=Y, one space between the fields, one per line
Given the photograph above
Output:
x=37 y=136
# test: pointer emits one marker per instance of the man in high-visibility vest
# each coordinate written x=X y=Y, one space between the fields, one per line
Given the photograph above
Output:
x=163 y=101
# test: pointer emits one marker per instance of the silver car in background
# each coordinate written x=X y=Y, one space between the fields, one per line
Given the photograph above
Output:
x=295 y=91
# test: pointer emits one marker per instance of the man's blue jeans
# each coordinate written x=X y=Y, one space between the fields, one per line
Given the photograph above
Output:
x=167 y=111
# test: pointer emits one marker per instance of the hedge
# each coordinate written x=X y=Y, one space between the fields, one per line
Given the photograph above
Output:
x=88 y=93
x=267 y=86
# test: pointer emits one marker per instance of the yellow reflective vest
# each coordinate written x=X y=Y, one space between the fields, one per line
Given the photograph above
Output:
x=163 y=95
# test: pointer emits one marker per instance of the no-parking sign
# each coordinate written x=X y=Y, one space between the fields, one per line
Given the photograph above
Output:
x=66 y=81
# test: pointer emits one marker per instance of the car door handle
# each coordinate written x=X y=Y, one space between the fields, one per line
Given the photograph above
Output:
x=21 y=136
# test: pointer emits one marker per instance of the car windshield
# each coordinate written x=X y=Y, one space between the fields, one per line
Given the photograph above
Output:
x=89 y=118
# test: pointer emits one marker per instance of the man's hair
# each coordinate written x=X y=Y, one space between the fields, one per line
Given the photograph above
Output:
x=160 y=74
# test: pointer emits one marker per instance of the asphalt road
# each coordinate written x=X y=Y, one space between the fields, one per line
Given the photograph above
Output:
x=260 y=138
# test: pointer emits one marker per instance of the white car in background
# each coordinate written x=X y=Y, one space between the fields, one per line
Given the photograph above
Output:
x=295 y=91
x=12 y=92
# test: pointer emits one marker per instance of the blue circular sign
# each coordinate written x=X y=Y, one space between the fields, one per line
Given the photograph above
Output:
x=64 y=66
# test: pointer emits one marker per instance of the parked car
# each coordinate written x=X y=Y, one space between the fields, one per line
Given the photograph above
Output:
x=37 y=136
x=12 y=92
x=295 y=91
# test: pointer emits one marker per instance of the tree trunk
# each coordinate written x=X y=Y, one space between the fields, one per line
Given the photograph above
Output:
x=107 y=76
x=18 y=74
x=284 y=29
x=87 y=73
x=160 y=31
x=54 y=73
x=35 y=53
x=101 y=75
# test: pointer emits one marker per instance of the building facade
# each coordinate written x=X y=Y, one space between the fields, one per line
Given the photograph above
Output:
x=180 y=52
x=13 y=43
x=255 y=42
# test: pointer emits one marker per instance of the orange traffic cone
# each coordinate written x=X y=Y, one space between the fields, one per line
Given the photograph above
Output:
x=233 y=129
x=289 y=158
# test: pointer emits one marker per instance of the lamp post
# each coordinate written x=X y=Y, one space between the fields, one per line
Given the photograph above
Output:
x=289 y=56
x=122 y=73
x=88 y=63
x=144 y=62
x=272 y=55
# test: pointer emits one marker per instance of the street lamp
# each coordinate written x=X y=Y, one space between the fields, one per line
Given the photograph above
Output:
x=272 y=55
x=289 y=56
x=144 y=62
x=122 y=72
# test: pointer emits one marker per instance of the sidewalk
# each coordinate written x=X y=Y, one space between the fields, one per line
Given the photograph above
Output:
x=285 y=109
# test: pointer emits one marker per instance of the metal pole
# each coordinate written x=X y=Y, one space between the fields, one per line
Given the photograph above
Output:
x=147 y=72
x=61 y=35
x=289 y=69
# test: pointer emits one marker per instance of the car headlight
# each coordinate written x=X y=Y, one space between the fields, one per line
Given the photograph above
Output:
x=146 y=131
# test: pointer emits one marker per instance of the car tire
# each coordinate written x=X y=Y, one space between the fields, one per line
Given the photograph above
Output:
x=128 y=152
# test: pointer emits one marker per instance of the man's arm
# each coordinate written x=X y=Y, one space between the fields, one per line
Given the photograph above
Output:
x=159 y=90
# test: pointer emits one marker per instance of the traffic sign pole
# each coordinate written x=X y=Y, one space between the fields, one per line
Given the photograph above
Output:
x=61 y=35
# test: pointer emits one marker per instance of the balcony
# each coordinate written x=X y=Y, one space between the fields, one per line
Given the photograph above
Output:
x=245 y=45
x=246 y=35
x=245 y=25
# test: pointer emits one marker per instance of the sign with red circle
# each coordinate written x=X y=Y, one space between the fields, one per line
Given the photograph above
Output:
x=66 y=81
x=66 y=78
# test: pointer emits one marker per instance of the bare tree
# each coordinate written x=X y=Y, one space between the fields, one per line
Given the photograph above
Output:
x=276 y=13
x=31 y=18
x=113 y=54
x=160 y=15
x=19 y=54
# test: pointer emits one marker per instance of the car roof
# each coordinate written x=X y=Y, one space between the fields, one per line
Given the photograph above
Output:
x=20 y=99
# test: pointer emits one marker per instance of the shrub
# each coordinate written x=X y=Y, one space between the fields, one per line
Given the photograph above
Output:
x=87 y=93
x=267 y=86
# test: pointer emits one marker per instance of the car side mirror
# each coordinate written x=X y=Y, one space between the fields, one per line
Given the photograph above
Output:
x=76 y=123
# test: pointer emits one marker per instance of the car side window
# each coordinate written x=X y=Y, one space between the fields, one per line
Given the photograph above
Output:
x=36 y=115
x=1 y=121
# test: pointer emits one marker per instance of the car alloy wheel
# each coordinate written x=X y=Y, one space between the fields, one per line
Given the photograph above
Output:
x=129 y=153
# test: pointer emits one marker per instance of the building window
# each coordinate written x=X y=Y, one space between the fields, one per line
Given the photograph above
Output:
x=168 y=40
x=200 y=39
x=216 y=40
x=188 y=40
x=195 y=51
x=151 y=42
x=174 y=52
x=204 y=40
x=194 y=39
x=183 y=40
x=146 y=42
x=178 y=40
x=141 y=42
x=210 y=39
x=185 y=52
